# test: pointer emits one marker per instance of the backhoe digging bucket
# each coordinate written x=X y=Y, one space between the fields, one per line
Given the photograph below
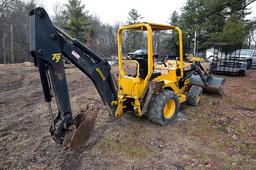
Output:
x=80 y=132
x=213 y=84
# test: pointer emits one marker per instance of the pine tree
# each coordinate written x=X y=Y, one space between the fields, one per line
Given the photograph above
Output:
x=77 y=20
x=135 y=38
x=216 y=21
x=236 y=28
x=134 y=16
x=172 y=41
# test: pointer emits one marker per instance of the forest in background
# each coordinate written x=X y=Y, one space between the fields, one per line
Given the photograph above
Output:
x=203 y=22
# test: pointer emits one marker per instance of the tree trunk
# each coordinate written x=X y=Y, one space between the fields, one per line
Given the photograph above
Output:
x=253 y=35
x=4 y=50
x=249 y=41
x=12 y=54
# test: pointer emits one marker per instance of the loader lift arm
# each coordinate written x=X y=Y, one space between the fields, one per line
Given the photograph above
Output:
x=48 y=45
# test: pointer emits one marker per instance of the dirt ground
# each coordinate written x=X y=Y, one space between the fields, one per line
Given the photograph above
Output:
x=218 y=134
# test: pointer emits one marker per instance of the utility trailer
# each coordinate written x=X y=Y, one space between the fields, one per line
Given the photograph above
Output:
x=227 y=60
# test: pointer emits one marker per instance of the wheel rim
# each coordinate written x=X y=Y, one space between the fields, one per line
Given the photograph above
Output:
x=169 y=109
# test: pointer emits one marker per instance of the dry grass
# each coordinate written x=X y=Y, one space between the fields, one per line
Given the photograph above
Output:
x=218 y=134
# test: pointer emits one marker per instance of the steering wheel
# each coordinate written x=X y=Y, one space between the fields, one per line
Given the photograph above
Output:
x=163 y=59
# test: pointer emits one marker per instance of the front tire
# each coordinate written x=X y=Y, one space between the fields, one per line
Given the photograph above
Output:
x=164 y=107
x=194 y=95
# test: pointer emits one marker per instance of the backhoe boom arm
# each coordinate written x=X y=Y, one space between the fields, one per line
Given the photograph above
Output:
x=48 y=45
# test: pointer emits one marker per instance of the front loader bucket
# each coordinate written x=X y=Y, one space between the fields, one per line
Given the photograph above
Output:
x=81 y=133
x=213 y=84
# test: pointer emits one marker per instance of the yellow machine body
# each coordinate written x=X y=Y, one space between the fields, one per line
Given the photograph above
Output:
x=170 y=77
x=133 y=87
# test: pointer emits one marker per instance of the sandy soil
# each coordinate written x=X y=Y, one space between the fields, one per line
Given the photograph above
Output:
x=218 y=134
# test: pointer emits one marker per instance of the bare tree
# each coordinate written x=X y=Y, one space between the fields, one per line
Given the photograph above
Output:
x=14 y=30
x=5 y=5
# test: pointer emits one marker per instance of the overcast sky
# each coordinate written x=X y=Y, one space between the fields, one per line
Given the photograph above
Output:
x=112 y=11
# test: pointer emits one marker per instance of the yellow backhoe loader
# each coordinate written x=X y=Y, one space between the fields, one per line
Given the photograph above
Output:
x=156 y=90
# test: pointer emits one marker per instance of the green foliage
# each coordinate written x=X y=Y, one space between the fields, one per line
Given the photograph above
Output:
x=166 y=42
x=134 y=16
x=77 y=20
x=98 y=36
x=172 y=41
x=234 y=31
x=174 y=18
x=134 y=38
x=215 y=21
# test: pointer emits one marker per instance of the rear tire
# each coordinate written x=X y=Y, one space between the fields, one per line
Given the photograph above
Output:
x=164 y=107
x=194 y=95
x=249 y=64
x=243 y=72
